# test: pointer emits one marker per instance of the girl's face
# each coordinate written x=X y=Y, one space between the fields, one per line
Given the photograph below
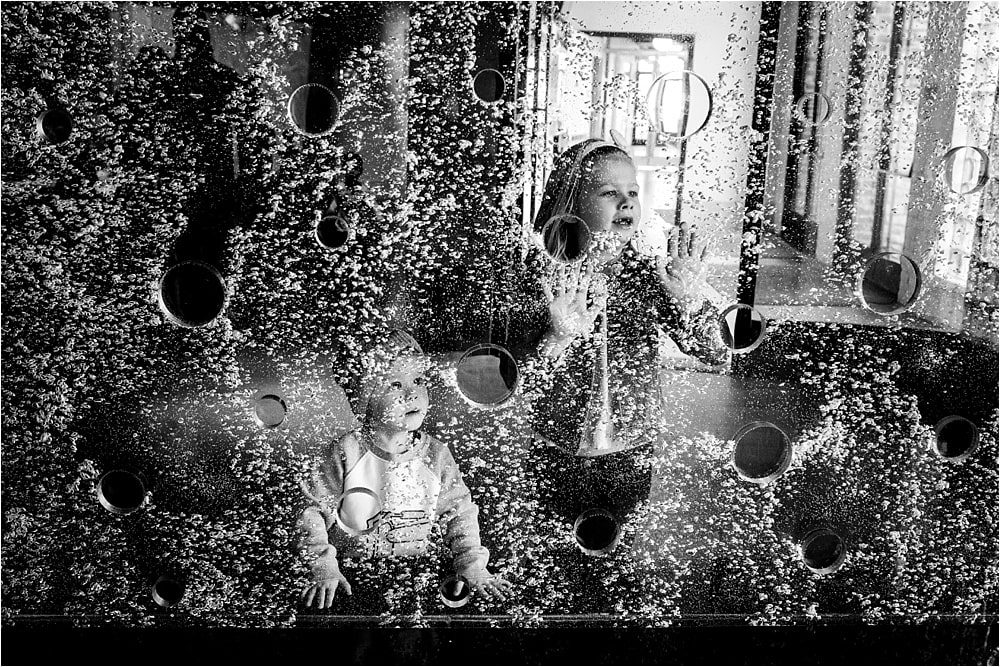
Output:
x=609 y=203
x=403 y=401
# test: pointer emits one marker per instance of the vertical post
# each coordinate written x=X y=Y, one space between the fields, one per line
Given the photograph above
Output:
x=885 y=155
x=850 y=146
x=753 y=216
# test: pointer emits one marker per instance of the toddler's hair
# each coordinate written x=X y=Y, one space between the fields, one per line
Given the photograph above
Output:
x=375 y=363
x=564 y=182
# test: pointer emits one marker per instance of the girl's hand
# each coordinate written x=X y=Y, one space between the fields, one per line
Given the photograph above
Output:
x=569 y=314
x=322 y=592
x=491 y=587
x=683 y=268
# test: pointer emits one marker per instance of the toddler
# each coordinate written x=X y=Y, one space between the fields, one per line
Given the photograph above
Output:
x=383 y=486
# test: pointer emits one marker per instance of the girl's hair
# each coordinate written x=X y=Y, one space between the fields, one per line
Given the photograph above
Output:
x=564 y=182
x=375 y=363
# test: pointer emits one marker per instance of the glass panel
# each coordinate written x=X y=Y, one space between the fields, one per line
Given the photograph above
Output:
x=907 y=91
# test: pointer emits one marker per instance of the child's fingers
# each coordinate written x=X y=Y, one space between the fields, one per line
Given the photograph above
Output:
x=672 y=242
x=661 y=265
x=562 y=280
x=691 y=242
x=502 y=588
x=683 y=241
x=347 y=586
x=308 y=595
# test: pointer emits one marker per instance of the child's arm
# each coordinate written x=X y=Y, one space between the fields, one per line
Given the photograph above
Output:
x=691 y=320
x=324 y=485
x=459 y=519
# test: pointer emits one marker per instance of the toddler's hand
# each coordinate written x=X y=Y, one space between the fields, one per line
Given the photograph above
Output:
x=490 y=586
x=322 y=592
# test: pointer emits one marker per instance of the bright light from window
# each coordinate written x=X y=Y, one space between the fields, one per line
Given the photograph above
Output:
x=663 y=44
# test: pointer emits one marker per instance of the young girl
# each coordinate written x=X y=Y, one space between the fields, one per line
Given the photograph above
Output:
x=593 y=328
x=383 y=487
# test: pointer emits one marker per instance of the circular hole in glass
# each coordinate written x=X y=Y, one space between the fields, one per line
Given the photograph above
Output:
x=359 y=511
x=957 y=437
x=192 y=294
x=121 y=492
x=823 y=551
x=763 y=452
x=966 y=169
x=813 y=109
x=269 y=410
x=54 y=125
x=679 y=104
x=487 y=375
x=566 y=238
x=455 y=591
x=333 y=232
x=889 y=284
x=489 y=85
x=167 y=591
x=597 y=532
x=313 y=109
x=743 y=328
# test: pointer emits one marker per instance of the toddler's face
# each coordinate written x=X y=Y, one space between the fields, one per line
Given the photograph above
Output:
x=609 y=203
x=403 y=401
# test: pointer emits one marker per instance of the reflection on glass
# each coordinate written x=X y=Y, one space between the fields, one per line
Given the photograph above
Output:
x=487 y=375
x=566 y=238
x=313 y=109
x=763 y=452
x=889 y=284
x=597 y=532
x=813 y=109
x=359 y=511
x=743 y=328
x=269 y=410
x=679 y=104
x=192 y=294
x=823 y=551
x=966 y=169
x=121 y=492
x=333 y=232
x=167 y=592
x=957 y=438
x=489 y=85
x=455 y=591
x=54 y=125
